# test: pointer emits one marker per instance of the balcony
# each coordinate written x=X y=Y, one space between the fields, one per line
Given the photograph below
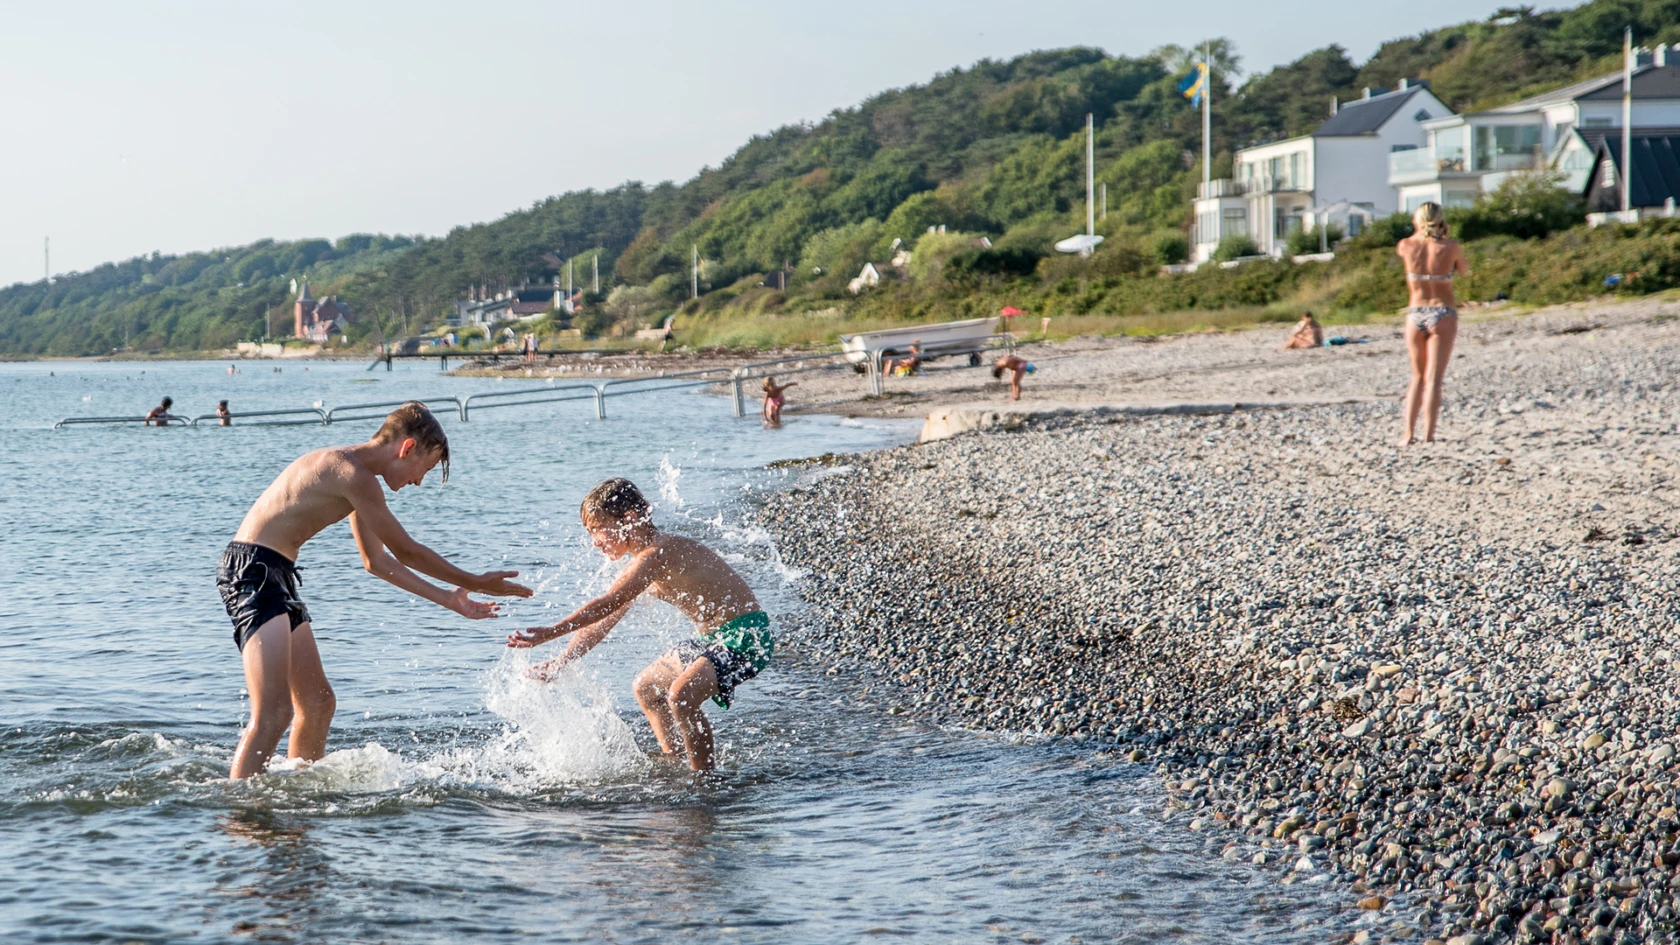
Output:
x=1423 y=164
x=1284 y=184
x=1222 y=187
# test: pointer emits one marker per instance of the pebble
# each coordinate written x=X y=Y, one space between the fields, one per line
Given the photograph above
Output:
x=1406 y=665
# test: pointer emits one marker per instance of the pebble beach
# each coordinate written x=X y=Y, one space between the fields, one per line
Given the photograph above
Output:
x=1441 y=679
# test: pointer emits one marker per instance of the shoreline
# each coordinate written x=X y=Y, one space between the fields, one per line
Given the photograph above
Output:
x=1438 y=678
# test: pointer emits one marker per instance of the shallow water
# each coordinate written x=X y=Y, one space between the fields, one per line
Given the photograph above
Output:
x=460 y=800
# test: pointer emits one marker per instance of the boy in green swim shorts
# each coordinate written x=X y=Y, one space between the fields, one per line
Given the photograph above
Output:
x=734 y=643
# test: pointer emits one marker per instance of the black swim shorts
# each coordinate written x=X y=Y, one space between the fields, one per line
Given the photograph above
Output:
x=732 y=668
x=257 y=585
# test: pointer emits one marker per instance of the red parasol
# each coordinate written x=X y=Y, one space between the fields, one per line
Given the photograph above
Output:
x=1010 y=311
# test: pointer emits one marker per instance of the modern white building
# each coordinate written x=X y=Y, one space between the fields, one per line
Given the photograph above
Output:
x=1338 y=175
x=1468 y=155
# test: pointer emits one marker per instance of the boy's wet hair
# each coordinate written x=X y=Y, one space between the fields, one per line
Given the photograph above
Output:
x=616 y=500
x=997 y=372
x=168 y=402
x=413 y=420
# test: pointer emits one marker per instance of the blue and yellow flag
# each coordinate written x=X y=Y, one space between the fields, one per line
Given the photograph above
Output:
x=1194 y=85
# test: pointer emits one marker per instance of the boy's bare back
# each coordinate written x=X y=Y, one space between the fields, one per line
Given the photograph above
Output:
x=692 y=578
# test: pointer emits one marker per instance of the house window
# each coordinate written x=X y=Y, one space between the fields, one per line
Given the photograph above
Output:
x=1235 y=222
x=1422 y=115
x=1286 y=221
x=1607 y=174
x=1506 y=147
x=1403 y=147
x=1598 y=123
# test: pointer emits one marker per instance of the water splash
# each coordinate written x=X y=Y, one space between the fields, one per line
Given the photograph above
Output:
x=564 y=731
x=669 y=475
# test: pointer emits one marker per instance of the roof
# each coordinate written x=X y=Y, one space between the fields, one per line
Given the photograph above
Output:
x=1364 y=116
x=1656 y=168
x=531 y=308
x=1649 y=81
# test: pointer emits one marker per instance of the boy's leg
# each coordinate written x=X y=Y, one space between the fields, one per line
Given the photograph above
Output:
x=689 y=693
x=267 y=656
x=652 y=685
x=313 y=701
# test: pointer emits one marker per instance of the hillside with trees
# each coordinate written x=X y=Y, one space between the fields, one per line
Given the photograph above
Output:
x=993 y=150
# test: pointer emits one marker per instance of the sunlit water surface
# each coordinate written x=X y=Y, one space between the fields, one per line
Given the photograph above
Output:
x=462 y=802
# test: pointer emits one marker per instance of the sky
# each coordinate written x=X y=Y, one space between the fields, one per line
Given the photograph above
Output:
x=181 y=126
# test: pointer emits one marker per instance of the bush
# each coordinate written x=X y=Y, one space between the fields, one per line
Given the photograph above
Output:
x=1526 y=206
x=1170 y=248
x=1235 y=247
x=1384 y=233
x=1305 y=242
x=967 y=264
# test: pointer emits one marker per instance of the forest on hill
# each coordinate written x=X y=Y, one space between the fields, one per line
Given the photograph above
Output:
x=995 y=150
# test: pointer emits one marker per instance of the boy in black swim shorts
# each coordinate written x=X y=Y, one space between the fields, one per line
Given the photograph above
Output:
x=734 y=642
x=258 y=577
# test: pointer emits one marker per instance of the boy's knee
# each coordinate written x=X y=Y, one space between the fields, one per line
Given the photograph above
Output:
x=271 y=719
x=320 y=704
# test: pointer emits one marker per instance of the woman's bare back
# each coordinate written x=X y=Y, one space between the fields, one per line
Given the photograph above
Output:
x=1431 y=257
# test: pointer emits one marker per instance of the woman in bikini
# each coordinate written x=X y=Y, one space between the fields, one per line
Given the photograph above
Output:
x=1432 y=319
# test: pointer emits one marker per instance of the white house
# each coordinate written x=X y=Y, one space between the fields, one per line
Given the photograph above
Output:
x=1338 y=174
x=1468 y=155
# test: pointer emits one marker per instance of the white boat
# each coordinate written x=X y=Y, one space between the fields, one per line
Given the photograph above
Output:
x=936 y=339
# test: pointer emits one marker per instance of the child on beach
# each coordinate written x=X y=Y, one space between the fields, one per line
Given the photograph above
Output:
x=1018 y=368
x=773 y=400
x=734 y=642
x=258 y=577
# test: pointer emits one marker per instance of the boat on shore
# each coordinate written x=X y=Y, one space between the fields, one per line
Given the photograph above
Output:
x=936 y=339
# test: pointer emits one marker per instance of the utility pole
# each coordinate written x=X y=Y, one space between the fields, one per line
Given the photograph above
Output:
x=595 y=261
x=1627 y=124
x=1090 y=176
x=1104 y=200
x=694 y=276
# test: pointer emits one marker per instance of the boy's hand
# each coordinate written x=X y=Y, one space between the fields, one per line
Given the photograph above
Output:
x=531 y=636
x=496 y=584
x=546 y=672
x=471 y=609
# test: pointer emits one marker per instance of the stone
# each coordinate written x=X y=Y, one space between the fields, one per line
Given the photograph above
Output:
x=1372 y=903
x=1593 y=741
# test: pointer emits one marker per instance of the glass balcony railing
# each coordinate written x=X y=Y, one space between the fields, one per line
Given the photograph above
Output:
x=1222 y=187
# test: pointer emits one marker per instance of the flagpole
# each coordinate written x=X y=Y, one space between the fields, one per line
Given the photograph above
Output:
x=1090 y=176
x=1207 y=115
x=1627 y=124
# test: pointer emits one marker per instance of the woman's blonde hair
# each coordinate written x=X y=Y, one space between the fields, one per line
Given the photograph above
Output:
x=1429 y=221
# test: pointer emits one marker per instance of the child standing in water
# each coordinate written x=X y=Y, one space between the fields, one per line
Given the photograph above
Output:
x=774 y=397
x=734 y=642
x=258 y=577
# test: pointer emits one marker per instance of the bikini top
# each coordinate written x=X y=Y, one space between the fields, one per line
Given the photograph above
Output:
x=1429 y=277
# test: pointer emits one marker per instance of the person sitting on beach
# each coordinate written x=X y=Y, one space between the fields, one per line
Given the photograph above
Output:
x=1018 y=368
x=223 y=417
x=1306 y=334
x=1431 y=324
x=773 y=400
x=734 y=643
x=912 y=364
x=160 y=415
x=258 y=576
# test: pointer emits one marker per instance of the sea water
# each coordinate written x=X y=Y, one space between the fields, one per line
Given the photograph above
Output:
x=462 y=801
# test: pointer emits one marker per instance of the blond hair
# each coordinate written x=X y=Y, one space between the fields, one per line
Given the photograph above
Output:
x=1429 y=221
x=413 y=421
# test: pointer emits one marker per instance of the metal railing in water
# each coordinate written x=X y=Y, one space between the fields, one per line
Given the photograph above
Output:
x=598 y=392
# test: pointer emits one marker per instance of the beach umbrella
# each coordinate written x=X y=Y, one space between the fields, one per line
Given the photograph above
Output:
x=1010 y=311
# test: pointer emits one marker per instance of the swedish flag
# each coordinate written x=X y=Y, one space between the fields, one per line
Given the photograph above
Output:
x=1194 y=85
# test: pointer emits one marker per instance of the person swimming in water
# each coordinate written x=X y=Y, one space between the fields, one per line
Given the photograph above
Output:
x=160 y=416
x=1431 y=325
x=224 y=417
x=734 y=642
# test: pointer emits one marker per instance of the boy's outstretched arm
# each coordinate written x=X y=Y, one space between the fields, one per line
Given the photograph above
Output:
x=626 y=589
x=368 y=499
x=582 y=642
x=381 y=565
